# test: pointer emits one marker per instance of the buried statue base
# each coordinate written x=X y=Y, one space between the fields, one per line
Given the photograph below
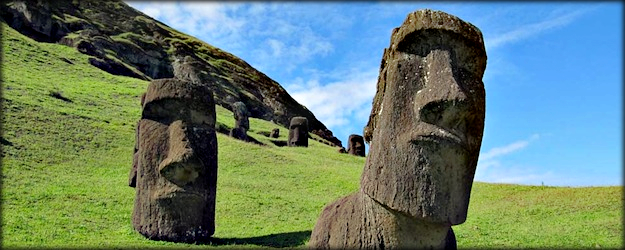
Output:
x=359 y=222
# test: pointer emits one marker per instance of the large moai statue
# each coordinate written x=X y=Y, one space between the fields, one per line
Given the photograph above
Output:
x=425 y=130
x=242 y=123
x=356 y=145
x=298 y=132
x=175 y=168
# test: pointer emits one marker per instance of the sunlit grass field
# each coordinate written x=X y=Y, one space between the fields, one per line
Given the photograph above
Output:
x=67 y=143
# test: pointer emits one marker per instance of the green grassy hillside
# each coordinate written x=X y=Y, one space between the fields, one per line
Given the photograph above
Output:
x=67 y=143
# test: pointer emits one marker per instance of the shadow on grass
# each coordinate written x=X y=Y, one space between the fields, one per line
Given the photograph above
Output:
x=290 y=239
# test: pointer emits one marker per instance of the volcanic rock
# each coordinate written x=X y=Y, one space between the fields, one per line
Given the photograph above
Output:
x=175 y=167
x=425 y=130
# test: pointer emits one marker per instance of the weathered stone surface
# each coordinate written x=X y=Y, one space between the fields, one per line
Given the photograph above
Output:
x=241 y=115
x=189 y=68
x=37 y=23
x=176 y=164
x=241 y=121
x=356 y=145
x=132 y=178
x=359 y=222
x=275 y=133
x=425 y=130
x=431 y=113
x=114 y=67
x=239 y=133
x=298 y=132
x=430 y=30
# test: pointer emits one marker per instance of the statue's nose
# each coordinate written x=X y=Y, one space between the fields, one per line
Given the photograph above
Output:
x=182 y=165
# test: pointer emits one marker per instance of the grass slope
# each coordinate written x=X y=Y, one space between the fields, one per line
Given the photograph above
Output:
x=68 y=136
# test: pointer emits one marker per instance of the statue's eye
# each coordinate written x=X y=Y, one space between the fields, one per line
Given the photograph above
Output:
x=447 y=114
x=165 y=111
x=157 y=112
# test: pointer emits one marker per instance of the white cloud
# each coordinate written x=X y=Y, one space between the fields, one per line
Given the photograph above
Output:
x=522 y=175
x=507 y=149
x=276 y=47
x=339 y=102
x=493 y=167
x=492 y=158
x=529 y=30
x=152 y=11
x=211 y=17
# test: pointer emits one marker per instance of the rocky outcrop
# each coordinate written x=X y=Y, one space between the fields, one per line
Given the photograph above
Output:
x=425 y=130
x=124 y=41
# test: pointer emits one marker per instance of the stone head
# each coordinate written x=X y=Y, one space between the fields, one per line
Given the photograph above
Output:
x=427 y=119
x=275 y=133
x=298 y=132
x=177 y=162
x=241 y=115
x=356 y=145
x=341 y=150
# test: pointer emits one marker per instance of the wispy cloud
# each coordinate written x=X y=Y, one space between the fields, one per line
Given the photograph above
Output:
x=525 y=31
x=492 y=167
x=507 y=149
x=523 y=175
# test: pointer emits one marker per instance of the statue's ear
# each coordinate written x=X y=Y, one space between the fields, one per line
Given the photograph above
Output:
x=377 y=99
x=132 y=178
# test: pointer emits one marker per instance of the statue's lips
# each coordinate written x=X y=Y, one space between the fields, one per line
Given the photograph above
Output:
x=179 y=193
x=439 y=135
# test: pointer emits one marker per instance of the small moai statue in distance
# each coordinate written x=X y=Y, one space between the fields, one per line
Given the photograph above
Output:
x=275 y=133
x=242 y=123
x=175 y=169
x=342 y=150
x=298 y=132
x=425 y=130
x=356 y=145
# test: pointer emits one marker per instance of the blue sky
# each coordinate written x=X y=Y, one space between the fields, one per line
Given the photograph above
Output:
x=553 y=77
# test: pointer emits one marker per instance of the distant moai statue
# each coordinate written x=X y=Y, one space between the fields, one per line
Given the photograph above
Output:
x=425 y=129
x=275 y=133
x=174 y=169
x=298 y=132
x=356 y=145
x=242 y=123
x=342 y=150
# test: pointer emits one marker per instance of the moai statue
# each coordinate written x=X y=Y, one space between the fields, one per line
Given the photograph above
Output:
x=175 y=168
x=425 y=129
x=298 y=132
x=356 y=145
x=242 y=123
x=342 y=150
x=275 y=133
